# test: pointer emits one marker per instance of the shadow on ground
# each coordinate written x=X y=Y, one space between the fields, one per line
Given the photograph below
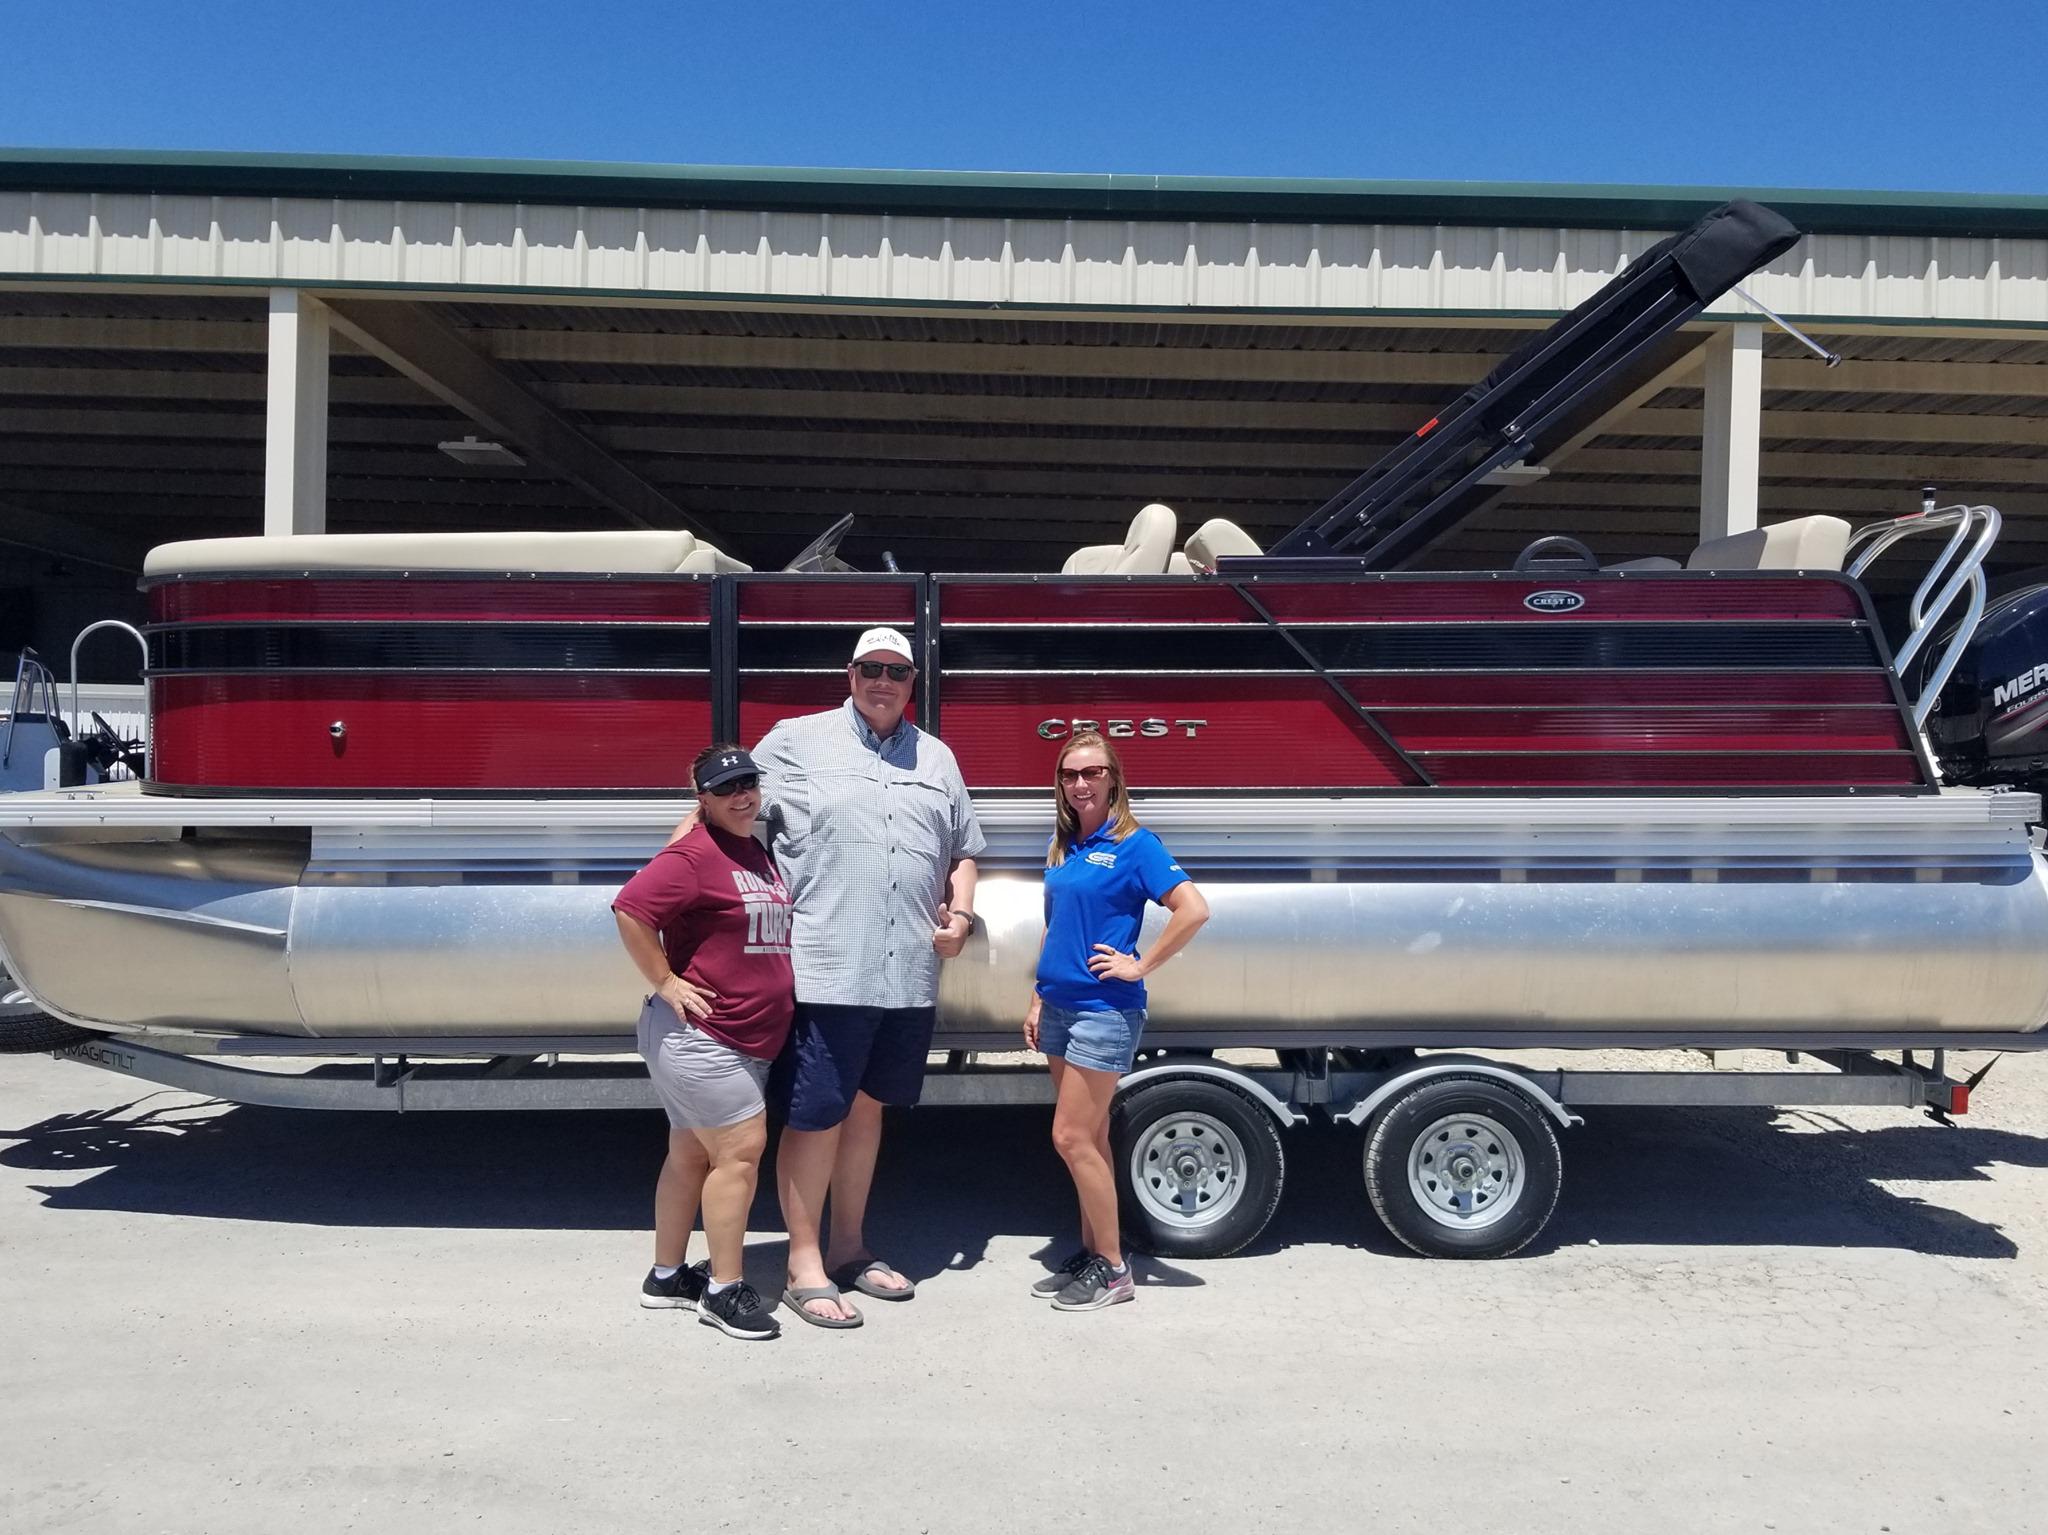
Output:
x=953 y=1178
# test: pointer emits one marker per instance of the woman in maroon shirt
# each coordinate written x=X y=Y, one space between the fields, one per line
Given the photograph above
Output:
x=707 y=923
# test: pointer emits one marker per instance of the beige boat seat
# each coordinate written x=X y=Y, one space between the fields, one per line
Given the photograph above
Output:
x=1650 y=562
x=1177 y=564
x=626 y=551
x=710 y=560
x=1145 y=551
x=1800 y=543
x=1218 y=539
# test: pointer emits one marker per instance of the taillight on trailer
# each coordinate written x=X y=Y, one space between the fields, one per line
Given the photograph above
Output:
x=1428 y=426
x=1958 y=1098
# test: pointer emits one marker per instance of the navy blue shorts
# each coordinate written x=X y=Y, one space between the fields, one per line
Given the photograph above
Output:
x=834 y=1052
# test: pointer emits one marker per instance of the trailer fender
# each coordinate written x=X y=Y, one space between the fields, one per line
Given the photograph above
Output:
x=1456 y=1066
x=1280 y=1109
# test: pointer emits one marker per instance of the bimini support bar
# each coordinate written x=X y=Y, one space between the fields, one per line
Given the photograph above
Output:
x=1832 y=359
x=1959 y=569
x=1542 y=394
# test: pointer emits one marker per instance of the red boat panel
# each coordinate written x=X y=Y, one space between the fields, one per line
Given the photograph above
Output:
x=395 y=599
x=816 y=599
x=508 y=734
x=765 y=701
x=554 y=684
x=1625 y=730
x=1173 y=732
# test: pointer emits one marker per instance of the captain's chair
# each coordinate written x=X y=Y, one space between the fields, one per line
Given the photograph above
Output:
x=1145 y=551
x=1218 y=539
x=1801 y=543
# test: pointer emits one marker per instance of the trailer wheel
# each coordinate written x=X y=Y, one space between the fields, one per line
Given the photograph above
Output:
x=33 y=1033
x=1200 y=1167
x=1463 y=1167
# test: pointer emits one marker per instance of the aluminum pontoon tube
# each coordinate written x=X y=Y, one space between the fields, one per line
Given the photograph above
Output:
x=340 y=919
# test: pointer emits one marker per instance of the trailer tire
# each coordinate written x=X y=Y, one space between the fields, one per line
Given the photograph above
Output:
x=35 y=1033
x=1199 y=1167
x=1496 y=1196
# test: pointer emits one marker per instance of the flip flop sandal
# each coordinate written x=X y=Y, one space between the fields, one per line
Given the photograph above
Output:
x=795 y=1296
x=854 y=1276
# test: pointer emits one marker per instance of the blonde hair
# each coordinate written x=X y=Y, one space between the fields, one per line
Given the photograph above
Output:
x=1066 y=824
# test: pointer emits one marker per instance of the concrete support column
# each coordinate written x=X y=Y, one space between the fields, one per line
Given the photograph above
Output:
x=1731 y=430
x=295 y=439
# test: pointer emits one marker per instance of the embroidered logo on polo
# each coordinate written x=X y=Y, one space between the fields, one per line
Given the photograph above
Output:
x=1106 y=860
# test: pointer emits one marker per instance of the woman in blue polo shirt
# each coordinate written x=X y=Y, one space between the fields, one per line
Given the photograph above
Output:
x=1089 y=1006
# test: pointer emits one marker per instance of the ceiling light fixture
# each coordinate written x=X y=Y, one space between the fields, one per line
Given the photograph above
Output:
x=489 y=454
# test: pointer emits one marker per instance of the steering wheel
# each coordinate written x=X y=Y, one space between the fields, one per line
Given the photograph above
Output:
x=1536 y=554
x=822 y=552
x=105 y=747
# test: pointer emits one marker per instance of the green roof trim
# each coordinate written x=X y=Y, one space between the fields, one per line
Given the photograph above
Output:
x=976 y=194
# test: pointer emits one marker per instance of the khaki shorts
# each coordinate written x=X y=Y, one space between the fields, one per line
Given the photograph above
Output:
x=702 y=1083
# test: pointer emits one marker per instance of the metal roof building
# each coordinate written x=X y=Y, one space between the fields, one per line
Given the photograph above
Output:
x=990 y=370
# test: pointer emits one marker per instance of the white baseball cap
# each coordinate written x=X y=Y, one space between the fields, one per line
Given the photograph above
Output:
x=885 y=639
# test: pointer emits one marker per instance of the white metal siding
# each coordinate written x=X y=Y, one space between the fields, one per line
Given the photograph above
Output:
x=1090 y=264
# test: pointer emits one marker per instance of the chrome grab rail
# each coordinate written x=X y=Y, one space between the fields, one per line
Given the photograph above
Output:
x=1960 y=568
x=130 y=629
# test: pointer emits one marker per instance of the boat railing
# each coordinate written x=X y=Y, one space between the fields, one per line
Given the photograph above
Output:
x=117 y=770
x=1957 y=575
x=35 y=692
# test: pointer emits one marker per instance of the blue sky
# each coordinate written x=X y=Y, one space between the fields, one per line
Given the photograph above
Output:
x=1856 y=95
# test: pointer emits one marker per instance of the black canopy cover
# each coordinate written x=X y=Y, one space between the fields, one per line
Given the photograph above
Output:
x=1543 y=393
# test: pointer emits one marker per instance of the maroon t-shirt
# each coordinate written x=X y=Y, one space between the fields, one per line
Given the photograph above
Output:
x=723 y=915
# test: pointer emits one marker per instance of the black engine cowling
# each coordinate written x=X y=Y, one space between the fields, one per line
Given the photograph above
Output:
x=1990 y=725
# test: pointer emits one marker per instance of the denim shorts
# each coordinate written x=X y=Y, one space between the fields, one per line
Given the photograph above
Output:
x=1099 y=1039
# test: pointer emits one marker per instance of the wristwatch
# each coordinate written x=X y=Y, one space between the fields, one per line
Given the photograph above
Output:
x=973 y=921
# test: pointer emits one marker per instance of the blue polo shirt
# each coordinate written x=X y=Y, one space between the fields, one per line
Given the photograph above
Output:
x=1098 y=895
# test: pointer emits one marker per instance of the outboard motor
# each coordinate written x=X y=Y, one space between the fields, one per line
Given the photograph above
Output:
x=1990 y=725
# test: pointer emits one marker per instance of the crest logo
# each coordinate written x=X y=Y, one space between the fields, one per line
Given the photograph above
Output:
x=1119 y=730
x=1553 y=602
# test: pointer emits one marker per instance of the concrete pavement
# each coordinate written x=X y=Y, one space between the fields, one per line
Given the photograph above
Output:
x=231 y=1320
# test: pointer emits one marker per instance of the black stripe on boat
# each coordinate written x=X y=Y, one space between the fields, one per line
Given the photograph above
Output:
x=414 y=648
x=1416 y=647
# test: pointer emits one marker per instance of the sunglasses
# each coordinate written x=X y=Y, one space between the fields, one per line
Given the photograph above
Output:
x=732 y=786
x=898 y=672
x=1077 y=775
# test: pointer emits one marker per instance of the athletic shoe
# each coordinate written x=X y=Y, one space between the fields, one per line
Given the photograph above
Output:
x=737 y=1312
x=681 y=1291
x=1096 y=1286
x=1062 y=1276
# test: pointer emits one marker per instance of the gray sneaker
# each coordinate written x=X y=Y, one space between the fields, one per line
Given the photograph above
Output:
x=1096 y=1286
x=1062 y=1276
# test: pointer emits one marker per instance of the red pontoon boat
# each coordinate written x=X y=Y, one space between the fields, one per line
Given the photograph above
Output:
x=394 y=781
